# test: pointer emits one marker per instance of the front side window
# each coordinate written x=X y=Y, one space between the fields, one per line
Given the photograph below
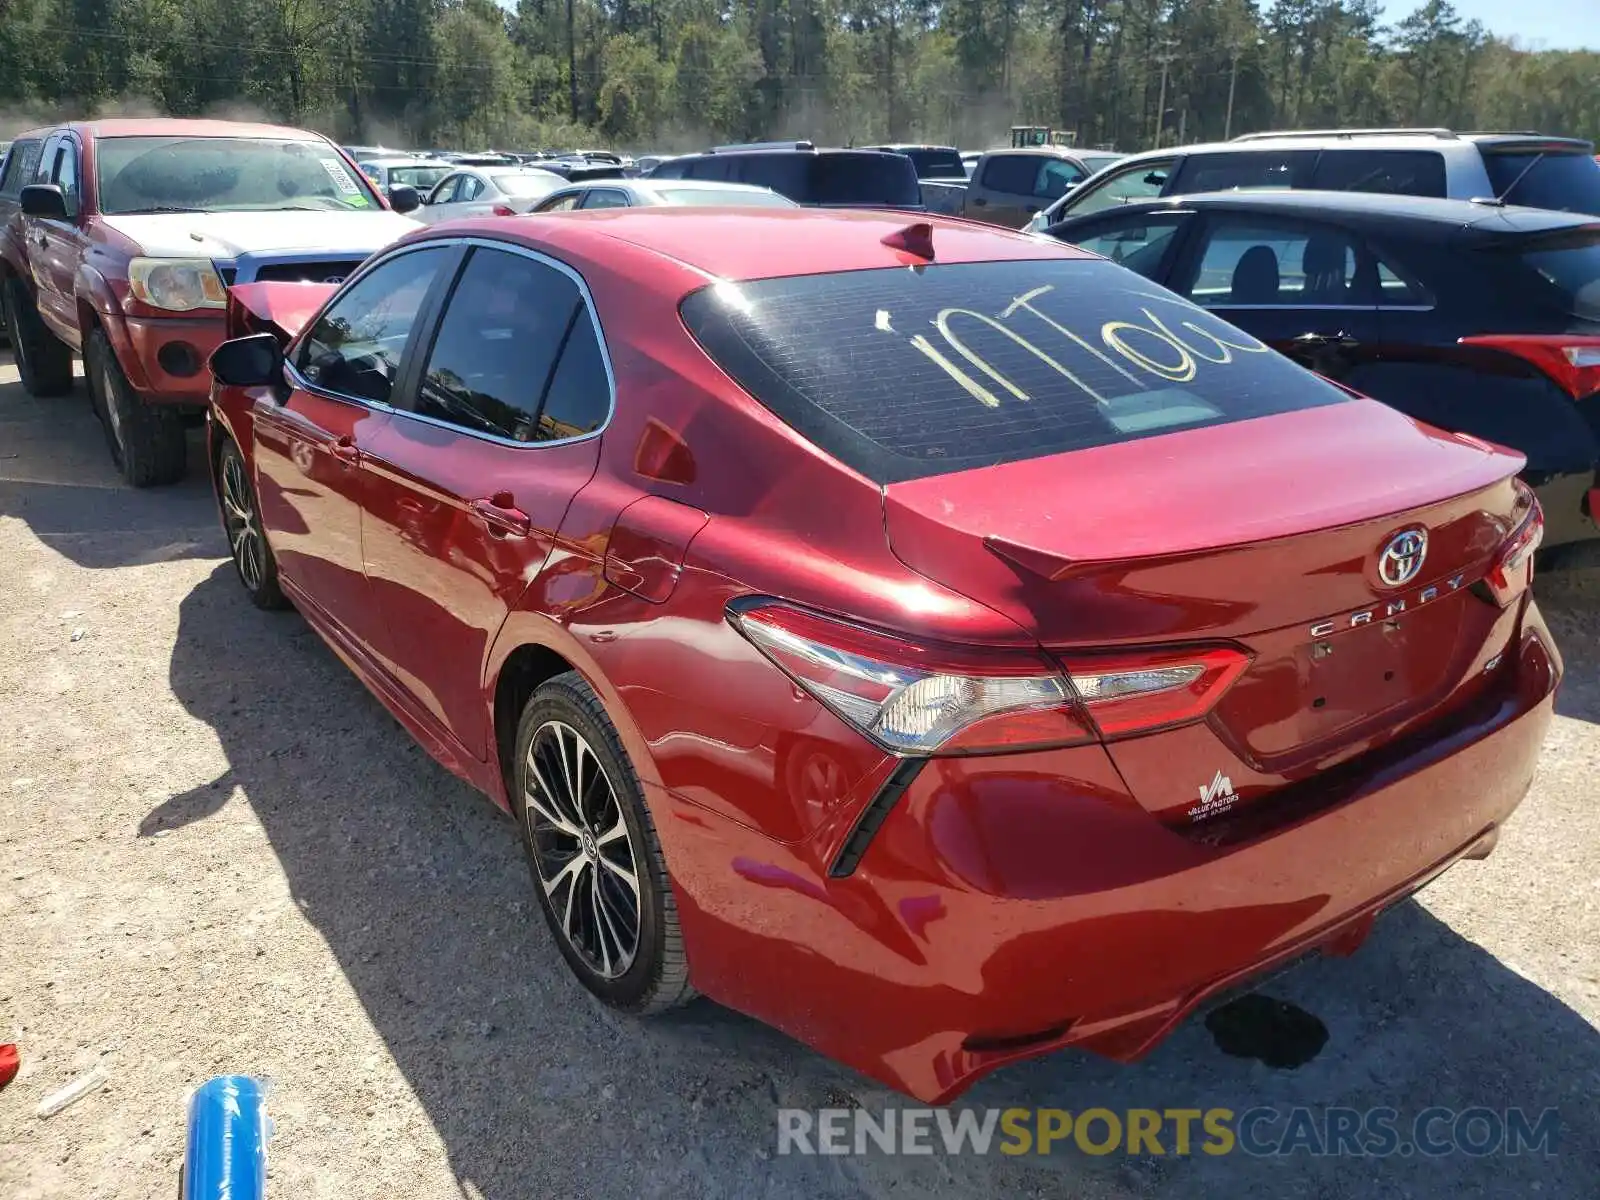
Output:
x=1056 y=176
x=503 y=330
x=470 y=188
x=66 y=174
x=356 y=346
x=1138 y=243
x=561 y=203
x=1142 y=182
x=1245 y=169
x=905 y=374
x=220 y=174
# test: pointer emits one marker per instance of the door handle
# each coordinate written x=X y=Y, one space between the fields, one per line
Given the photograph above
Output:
x=1317 y=341
x=346 y=451
x=502 y=516
x=978 y=201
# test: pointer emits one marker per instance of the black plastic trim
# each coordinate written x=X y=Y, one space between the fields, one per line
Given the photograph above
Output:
x=873 y=816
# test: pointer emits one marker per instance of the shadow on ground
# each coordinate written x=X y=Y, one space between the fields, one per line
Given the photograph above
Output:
x=56 y=476
x=420 y=890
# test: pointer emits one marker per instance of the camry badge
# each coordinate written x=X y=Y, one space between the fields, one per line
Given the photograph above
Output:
x=1400 y=561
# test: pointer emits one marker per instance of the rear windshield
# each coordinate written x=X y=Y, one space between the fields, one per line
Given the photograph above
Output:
x=1569 y=266
x=905 y=373
x=417 y=177
x=936 y=164
x=1565 y=182
x=526 y=183
x=840 y=178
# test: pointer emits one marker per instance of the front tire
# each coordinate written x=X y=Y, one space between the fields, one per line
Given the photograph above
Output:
x=43 y=361
x=247 y=541
x=147 y=441
x=596 y=862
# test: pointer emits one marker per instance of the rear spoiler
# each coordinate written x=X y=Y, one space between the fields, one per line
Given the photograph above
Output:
x=280 y=309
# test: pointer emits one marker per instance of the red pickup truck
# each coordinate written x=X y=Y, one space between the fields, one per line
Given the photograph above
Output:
x=120 y=238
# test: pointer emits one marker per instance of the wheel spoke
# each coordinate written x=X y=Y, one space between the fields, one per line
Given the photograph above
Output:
x=620 y=829
x=530 y=797
x=622 y=873
x=571 y=869
x=572 y=893
x=600 y=922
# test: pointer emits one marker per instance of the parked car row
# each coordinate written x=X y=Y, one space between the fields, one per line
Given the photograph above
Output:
x=942 y=642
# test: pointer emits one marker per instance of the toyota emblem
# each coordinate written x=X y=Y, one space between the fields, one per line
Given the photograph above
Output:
x=1400 y=561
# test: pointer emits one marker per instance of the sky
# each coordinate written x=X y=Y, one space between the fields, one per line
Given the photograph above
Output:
x=1556 y=24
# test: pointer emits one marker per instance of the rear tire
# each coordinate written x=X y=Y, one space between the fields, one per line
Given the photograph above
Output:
x=147 y=441
x=597 y=866
x=247 y=541
x=43 y=361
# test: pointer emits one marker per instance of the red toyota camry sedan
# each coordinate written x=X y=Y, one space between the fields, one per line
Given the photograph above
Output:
x=940 y=644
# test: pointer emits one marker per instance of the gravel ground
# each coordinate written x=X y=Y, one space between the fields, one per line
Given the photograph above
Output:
x=218 y=853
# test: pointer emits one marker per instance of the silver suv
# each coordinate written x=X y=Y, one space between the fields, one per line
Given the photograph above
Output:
x=1517 y=168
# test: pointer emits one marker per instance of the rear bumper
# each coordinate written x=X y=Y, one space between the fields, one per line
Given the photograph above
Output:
x=165 y=358
x=1568 y=500
x=1012 y=907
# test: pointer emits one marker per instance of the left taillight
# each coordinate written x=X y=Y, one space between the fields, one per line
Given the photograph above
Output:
x=915 y=698
x=1511 y=573
x=504 y=210
x=1571 y=360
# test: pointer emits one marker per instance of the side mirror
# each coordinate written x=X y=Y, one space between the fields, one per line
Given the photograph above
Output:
x=255 y=361
x=403 y=198
x=44 y=200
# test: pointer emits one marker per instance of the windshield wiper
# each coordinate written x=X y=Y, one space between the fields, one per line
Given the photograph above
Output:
x=155 y=208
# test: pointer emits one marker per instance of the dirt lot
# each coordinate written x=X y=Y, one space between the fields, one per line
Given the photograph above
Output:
x=217 y=853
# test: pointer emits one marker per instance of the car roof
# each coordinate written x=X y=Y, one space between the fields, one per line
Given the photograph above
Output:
x=1378 y=207
x=756 y=243
x=176 y=126
x=401 y=160
x=1364 y=140
x=679 y=185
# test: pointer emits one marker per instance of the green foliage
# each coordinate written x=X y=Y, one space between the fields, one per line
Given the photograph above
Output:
x=677 y=74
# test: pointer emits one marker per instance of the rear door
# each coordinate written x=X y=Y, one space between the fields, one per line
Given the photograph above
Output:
x=474 y=475
x=1306 y=288
x=309 y=451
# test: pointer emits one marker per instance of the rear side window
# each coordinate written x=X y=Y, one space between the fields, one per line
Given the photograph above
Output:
x=21 y=164
x=1012 y=173
x=1565 y=182
x=1245 y=169
x=704 y=168
x=862 y=179
x=1392 y=172
x=936 y=164
x=905 y=374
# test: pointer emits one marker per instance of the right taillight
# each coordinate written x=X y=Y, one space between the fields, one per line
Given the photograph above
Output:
x=916 y=699
x=1511 y=573
x=1571 y=360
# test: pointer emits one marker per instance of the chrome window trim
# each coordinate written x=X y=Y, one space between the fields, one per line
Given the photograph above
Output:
x=489 y=244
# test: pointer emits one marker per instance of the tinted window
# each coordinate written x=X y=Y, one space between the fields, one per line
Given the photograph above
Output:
x=21 y=163
x=705 y=168
x=846 y=178
x=1392 y=172
x=1139 y=245
x=936 y=164
x=671 y=169
x=355 y=347
x=226 y=174
x=605 y=198
x=1142 y=182
x=1567 y=266
x=903 y=374
x=1245 y=169
x=1567 y=182
x=1012 y=173
x=580 y=393
x=502 y=329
